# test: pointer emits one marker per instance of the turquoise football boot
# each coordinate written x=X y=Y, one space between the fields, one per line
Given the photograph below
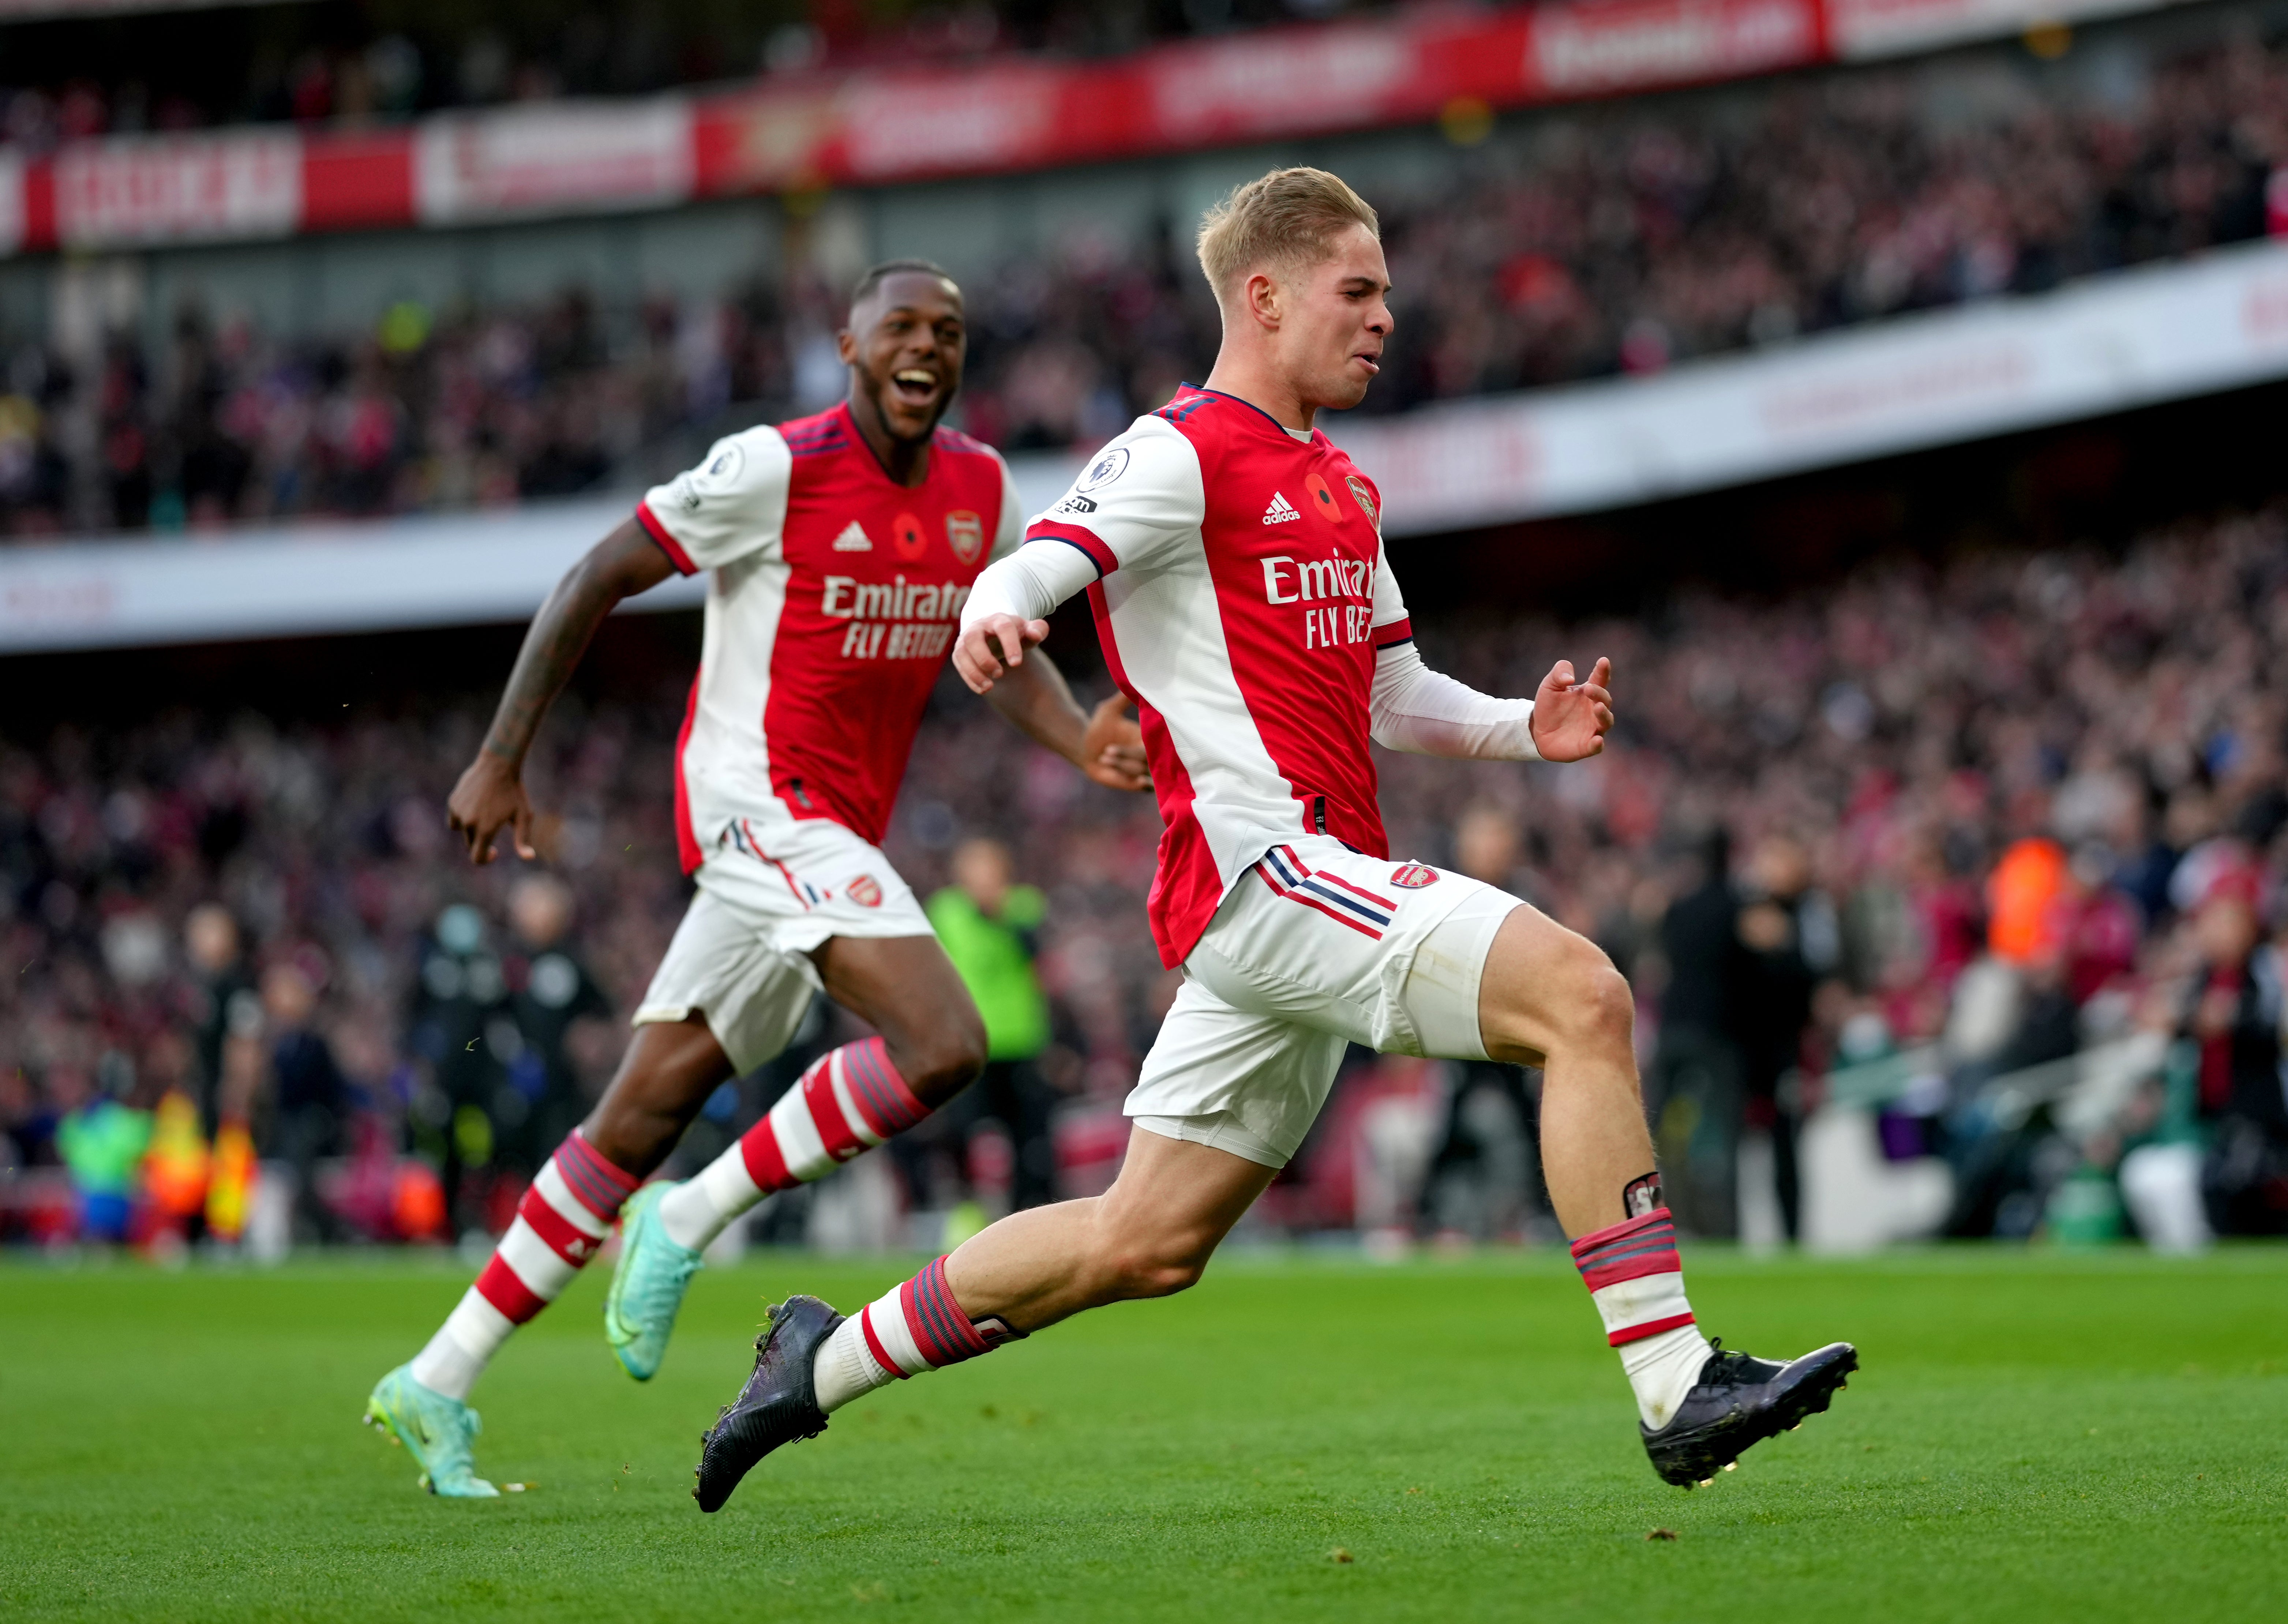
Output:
x=647 y=1285
x=439 y=1431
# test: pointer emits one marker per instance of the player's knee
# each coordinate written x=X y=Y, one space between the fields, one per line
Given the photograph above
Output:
x=1594 y=1008
x=941 y=1063
x=1152 y=1266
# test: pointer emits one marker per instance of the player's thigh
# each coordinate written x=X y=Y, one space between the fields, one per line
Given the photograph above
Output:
x=665 y=1077
x=1545 y=988
x=906 y=989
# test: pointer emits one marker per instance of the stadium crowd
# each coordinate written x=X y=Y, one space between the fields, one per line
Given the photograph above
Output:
x=1580 y=244
x=2014 y=807
x=352 y=65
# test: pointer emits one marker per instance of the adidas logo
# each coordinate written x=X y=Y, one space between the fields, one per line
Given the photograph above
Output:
x=853 y=540
x=1279 y=513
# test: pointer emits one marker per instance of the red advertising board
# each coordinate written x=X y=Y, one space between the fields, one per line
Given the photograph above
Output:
x=877 y=126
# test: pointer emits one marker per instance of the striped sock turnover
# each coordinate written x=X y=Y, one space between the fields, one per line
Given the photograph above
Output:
x=1637 y=1281
x=560 y=1224
x=914 y=1327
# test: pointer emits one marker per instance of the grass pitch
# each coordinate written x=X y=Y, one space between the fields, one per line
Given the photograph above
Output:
x=2033 y=1436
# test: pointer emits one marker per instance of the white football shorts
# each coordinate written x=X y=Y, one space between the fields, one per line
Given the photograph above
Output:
x=742 y=955
x=1316 y=948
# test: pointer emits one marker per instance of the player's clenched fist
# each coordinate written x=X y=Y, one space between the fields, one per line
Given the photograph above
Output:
x=992 y=646
x=1112 y=749
x=1570 y=719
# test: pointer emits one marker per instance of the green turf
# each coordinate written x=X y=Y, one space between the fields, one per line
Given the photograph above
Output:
x=2034 y=1435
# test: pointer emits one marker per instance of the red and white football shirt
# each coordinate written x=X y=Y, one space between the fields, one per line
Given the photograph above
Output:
x=1242 y=595
x=831 y=602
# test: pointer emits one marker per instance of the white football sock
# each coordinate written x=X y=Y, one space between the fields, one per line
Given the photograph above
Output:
x=457 y=1354
x=845 y=1369
x=1661 y=1370
x=699 y=1209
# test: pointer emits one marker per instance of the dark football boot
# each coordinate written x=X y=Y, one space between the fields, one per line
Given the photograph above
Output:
x=1738 y=1402
x=777 y=1405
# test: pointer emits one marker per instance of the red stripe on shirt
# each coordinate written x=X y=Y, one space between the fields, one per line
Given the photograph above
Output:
x=1390 y=633
x=667 y=543
x=1087 y=540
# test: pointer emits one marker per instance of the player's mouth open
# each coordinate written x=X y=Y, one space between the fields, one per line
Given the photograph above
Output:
x=1372 y=363
x=914 y=386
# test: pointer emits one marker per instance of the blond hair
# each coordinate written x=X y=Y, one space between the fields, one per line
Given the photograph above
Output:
x=1282 y=221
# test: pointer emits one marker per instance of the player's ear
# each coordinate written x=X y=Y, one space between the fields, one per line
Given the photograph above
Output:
x=1262 y=290
x=845 y=345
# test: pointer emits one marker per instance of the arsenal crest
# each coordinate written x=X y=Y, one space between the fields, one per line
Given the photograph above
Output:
x=867 y=893
x=964 y=532
x=1362 y=496
x=1413 y=876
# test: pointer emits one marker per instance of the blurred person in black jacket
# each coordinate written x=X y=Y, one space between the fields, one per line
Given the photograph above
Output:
x=223 y=1002
x=2233 y=1011
x=550 y=991
x=461 y=1026
x=1484 y=1179
x=1696 y=1091
x=308 y=1096
x=1789 y=941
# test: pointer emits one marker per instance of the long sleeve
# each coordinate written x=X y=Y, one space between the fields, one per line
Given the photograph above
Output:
x=1030 y=583
x=1425 y=712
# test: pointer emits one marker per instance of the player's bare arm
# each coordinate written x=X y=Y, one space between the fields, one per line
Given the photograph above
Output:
x=490 y=796
x=1104 y=743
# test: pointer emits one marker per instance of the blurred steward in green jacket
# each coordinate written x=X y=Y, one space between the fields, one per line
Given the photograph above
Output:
x=989 y=928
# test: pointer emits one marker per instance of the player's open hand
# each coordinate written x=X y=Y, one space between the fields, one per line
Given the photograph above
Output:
x=993 y=646
x=489 y=799
x=1570 y=719
x=1112 y=749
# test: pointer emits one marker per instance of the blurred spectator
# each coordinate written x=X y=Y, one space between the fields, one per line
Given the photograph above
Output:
x=550 y=990
x=2235 y=1015
x=1697 y=1089
x=1484 y=1180
x=990 y=926
x=223 y=1001
x=101 y=1140
x=1788 y=930
x=307 y=1099
x=461 y=1027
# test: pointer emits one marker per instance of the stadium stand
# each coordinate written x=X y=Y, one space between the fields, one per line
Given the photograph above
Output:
x=1571 y=245
x=2022 y=810
x=2030 y=783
